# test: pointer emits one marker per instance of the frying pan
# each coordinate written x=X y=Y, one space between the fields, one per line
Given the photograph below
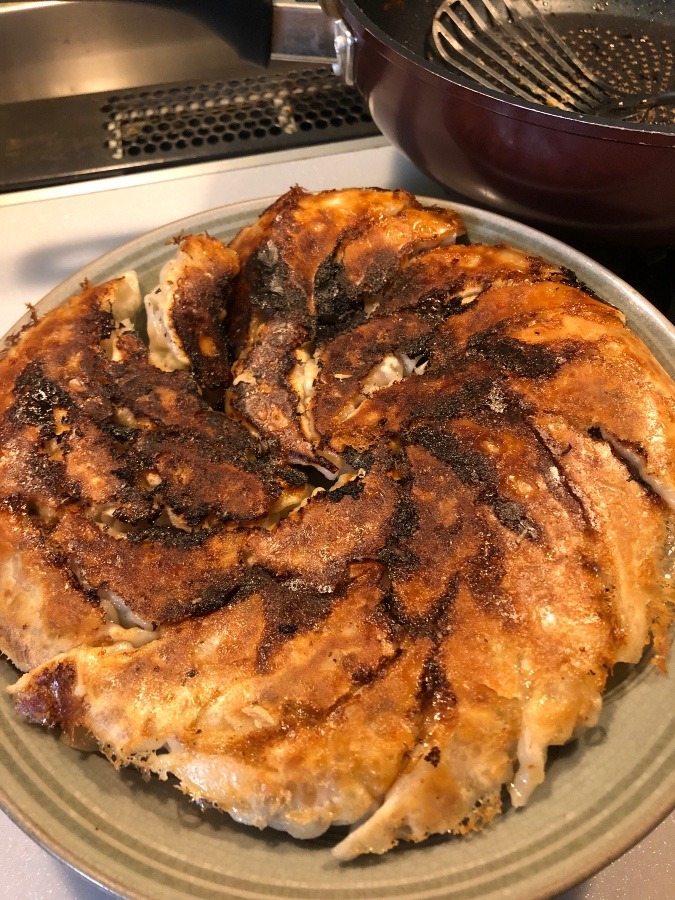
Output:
x=577 y=175
x=568 y=172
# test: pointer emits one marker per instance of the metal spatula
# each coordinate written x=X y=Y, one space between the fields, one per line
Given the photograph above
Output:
x=510 y=45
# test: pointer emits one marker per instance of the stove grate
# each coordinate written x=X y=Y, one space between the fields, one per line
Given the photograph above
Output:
x=72 y=138
x=250 y=113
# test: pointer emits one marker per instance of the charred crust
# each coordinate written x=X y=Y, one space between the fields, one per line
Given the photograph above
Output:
x=37 y=400
x=172 y=454
x=271 y=287
x=477 y=471
x=521 y=358
x=52 y=701
x=364 y=675
x=434 y=623
x=295 y=476
x=472 y=468
x=197 y=316
x=433 y=756
x=571 y=279
x=169 y=537
x=400 y=561
x=358 y=461
x=213 y=598
x=338 y=305
x=483 y=399
x=290 y=608
x=350 y=489
x=433 y=687
x=405 y=521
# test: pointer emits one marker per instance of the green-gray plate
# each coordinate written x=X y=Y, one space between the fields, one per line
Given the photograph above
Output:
x=603 y=792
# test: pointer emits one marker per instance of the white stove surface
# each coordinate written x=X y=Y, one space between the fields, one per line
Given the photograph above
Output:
x=49 y=234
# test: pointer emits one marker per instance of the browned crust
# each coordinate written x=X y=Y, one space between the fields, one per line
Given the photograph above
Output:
x=201 y=297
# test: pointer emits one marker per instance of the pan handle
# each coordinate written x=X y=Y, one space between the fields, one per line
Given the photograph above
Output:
x=302 y=30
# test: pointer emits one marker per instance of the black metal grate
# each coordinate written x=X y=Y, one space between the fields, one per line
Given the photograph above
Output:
x=71 y=138
x=250 y=113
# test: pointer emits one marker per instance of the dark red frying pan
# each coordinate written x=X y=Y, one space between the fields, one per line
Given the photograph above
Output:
x=592 y=176
x=586 y=174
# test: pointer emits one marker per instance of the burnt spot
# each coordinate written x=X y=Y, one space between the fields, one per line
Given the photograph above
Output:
x=37 y=400
x=200 y=477
x=434 y=623
x=197 y=316
x=571 y=279
x=405 y=520
x=433 y=756
x=290 y=608
x=272 y=289
x=357 y=460
x=441 y=303
x=471 y=467
x=295 y=476
x=511 y=514
x=519 y=357
x=36 y=478
x=169 y=537
x=352 y=488
x=477 y=471
x=400 y=559
x=338 y=306
x=121 y=434
x=433 y=689
x=216 y=595
x=486 y=400
x=363 y=675
x=52 y=700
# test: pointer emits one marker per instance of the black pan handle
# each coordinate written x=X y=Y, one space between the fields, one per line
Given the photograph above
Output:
x=246 y=25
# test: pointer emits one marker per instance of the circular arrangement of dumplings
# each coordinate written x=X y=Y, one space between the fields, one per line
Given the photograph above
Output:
x=344 y=523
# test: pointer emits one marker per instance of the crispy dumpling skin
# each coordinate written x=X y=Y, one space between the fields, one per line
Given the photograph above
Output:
x=309 y=267
x=44 y=611
x=374 y=564
x=185 y=312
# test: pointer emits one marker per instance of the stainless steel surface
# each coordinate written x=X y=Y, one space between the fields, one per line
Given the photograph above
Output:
x=95 y=88
x=147 y=127
x=62 y=49
x=302 y=30
x=345 y=44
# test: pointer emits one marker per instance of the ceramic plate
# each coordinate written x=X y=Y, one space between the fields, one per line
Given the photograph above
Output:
x=603 y=792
